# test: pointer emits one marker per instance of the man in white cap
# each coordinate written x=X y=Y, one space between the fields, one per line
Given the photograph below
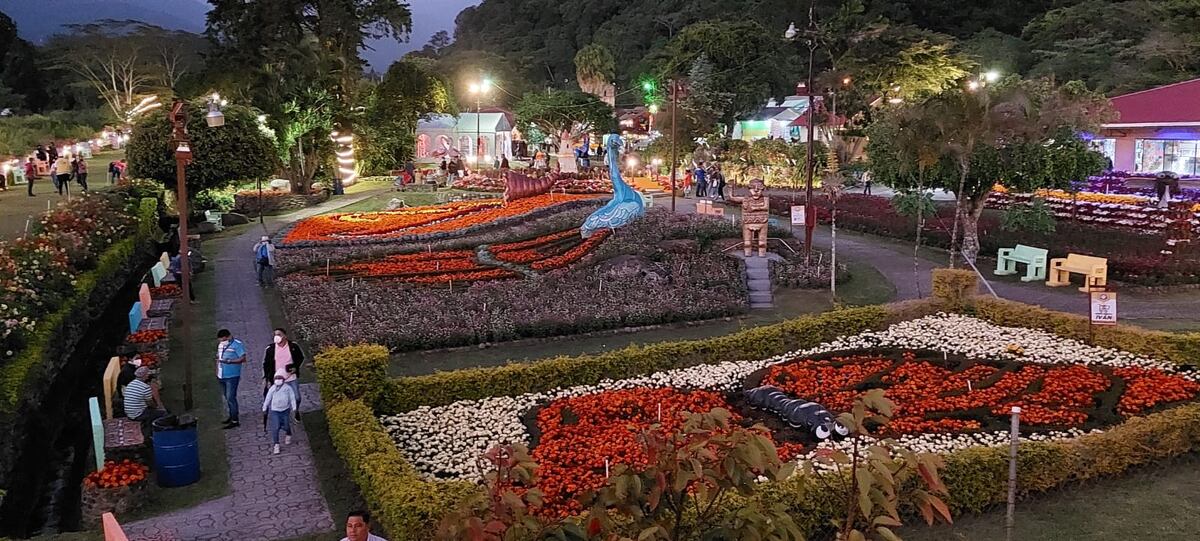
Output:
x=264 y=261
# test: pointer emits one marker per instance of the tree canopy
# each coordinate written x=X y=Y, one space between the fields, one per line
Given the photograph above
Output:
x=564 y=114
x=241 y=150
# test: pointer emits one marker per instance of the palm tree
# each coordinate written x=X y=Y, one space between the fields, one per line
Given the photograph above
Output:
x=595 y=68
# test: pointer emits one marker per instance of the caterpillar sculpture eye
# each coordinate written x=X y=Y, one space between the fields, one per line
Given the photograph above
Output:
x=822 y=432
x=839 y=430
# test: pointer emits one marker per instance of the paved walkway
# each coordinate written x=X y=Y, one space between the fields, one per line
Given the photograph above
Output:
x=271 y=496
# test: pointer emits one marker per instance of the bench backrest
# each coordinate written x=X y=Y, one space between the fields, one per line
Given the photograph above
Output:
x=111 y=372
x=165 y=260
x=1029 y=252
x=213 y=216
x=1077 y=260
x=157 y=273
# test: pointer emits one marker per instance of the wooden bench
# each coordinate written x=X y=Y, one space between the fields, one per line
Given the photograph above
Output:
x=1034 y=258
x=122 y=434
x=1093 y=269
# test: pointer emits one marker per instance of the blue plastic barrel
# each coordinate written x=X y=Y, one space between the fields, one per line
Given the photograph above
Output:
x=176 y=451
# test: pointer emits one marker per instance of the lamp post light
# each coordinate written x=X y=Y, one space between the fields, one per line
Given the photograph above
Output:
x=184 y=156
x=810 y=221
x=478 y=89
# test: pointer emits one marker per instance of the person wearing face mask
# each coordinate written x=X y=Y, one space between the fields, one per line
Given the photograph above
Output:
x=279 y=405
x=231 y=355
x=283 y=358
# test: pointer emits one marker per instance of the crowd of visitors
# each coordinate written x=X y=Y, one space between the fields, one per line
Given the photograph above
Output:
x=61 y=169
x=708 y=180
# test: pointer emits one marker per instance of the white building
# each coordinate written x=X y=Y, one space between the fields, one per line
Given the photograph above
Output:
x=446 y=135
x=787 y=120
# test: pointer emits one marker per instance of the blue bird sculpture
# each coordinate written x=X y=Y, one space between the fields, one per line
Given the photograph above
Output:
x=626 y=205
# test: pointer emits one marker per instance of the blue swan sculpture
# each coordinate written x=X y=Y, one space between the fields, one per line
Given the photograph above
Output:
x=626 y=205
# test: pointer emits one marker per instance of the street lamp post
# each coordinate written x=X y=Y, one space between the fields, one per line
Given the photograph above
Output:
x=478 y=89
x=674 y=152
x=183 y=156
x=810 y=221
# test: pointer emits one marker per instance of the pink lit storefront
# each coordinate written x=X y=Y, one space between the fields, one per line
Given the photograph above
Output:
x=1157 y=130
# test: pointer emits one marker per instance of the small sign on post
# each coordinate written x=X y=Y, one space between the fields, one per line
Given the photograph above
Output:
x=798 y=215
x=1104 y=307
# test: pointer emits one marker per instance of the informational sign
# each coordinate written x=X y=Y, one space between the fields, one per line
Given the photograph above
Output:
x=1104 y=308
x=798 y=215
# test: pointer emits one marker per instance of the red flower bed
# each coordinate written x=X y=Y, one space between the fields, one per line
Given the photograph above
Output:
x=932 y=398
x=117 y=474
x=165 y=292
x=577 y=434
x=542 y=253
x=146 y=337
x=419 y=220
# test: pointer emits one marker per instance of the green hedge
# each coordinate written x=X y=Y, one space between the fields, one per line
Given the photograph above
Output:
x=408 y=506
x=443 y=388
x=27 y=377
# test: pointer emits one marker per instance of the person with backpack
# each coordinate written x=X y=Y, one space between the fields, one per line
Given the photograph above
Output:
x=264 y=261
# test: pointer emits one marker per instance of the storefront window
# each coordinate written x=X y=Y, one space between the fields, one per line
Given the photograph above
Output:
x=1157 y=155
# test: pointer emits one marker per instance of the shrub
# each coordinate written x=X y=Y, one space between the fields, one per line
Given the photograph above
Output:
x=221 y=200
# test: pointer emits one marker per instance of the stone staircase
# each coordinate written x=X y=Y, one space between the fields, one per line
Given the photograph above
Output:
x=758 y=281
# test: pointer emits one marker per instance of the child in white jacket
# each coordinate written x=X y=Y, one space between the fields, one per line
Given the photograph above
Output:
x=278 y=406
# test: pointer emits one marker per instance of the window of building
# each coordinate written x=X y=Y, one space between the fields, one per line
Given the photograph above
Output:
x=1105 y=146
x=1157 y=155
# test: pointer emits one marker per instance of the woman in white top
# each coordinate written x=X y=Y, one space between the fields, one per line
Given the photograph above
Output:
x=278 y=406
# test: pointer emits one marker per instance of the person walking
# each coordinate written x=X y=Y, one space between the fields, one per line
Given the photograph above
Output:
x=62 y=173
x=867 y=183
x=279 y=404
x=264 y=261
x=30 y=175
x=358 y=527
x=231 y=355
x=80 y=169
x=41 y=154
x=283 y=358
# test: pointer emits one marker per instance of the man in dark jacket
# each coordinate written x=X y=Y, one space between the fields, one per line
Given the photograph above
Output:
x=284 y=358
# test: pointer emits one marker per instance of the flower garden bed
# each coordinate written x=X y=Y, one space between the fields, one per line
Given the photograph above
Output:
x=438 y=423
x=551 y=283
x=569 y=183
x=423 y=224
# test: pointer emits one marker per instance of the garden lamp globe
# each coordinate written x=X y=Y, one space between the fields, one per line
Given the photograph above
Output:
x=215 y=118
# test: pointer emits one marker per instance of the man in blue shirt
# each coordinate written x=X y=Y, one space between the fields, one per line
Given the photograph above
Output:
x=231 y=355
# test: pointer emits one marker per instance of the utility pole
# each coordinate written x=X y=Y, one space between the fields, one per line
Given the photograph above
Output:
x=674 y=149
x=810 y=217
x=183 y=156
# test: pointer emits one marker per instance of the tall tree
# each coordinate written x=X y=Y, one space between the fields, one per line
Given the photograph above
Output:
x=564 y=115
x=126 y=61
x=595 y=68
x=409 y=91
x=1018 y=133
x=21 y=81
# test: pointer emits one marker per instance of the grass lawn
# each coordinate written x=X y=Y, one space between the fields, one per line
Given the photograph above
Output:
x=1157 y=503
x=866 y=286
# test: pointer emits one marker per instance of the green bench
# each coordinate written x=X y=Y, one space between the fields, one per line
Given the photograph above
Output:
x=1034 y=258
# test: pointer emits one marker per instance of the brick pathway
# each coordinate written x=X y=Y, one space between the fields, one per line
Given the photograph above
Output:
x=271 y=496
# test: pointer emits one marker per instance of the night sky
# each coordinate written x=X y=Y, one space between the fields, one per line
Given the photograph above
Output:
x=37 y=19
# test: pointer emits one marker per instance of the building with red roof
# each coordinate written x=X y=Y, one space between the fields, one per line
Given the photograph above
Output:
x=1156 y=130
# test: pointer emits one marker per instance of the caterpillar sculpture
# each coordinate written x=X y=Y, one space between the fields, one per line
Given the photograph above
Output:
x=800 y=414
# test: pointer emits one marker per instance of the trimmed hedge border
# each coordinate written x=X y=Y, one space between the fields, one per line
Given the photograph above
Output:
x=408 y=507
x=26 y=378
